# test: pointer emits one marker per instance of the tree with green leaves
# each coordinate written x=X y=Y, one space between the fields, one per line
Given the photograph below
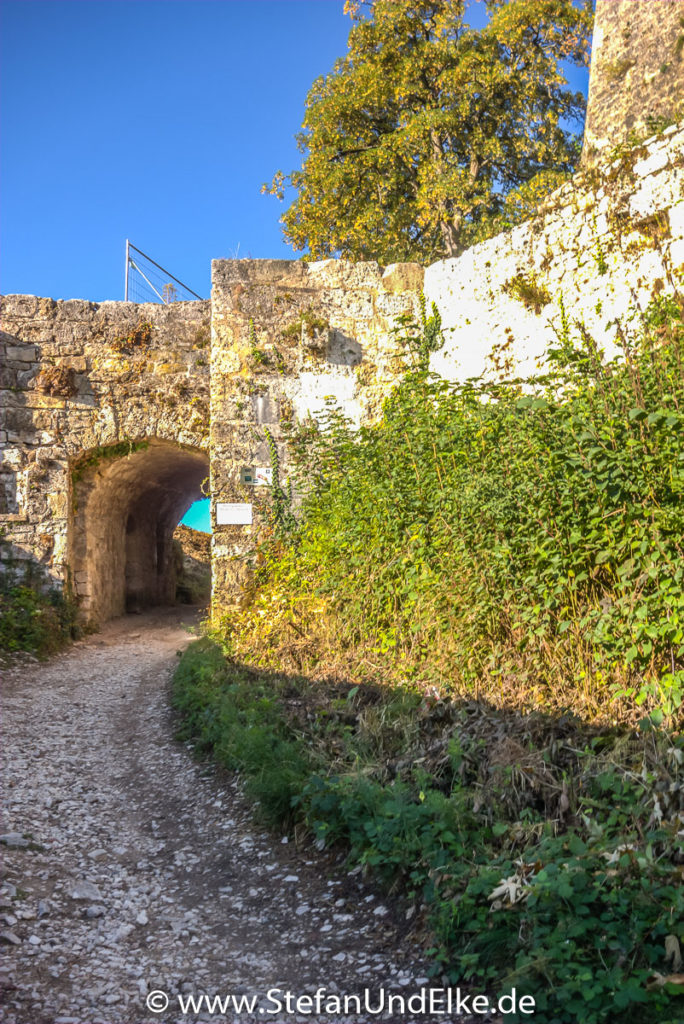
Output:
x=429 y=134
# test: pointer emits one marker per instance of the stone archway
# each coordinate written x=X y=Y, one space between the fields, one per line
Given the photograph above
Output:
x=128 y=499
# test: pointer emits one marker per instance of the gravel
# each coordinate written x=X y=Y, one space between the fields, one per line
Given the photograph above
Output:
x=130 y=869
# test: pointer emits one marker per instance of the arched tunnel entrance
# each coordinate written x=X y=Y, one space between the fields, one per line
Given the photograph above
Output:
x=128 y=499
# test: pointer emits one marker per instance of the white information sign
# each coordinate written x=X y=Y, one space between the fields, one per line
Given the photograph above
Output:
x=233 y=514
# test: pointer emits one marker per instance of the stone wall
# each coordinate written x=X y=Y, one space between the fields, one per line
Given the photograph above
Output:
x=605 y=243
x=285 y=337
x=83 y=386
x=192 y=549
x=113 y=420
x=637 y=73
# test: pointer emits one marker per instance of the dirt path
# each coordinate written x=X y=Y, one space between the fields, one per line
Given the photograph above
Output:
x=134 y=870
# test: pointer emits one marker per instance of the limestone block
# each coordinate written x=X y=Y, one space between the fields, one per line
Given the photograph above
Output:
x=19 y=305
x=395 y=305
x=60 y=550
x=46 y=308
x=58 y=504
x=654 y=162
x=35 y=400
x=647 y=200
x=75 y=309
x=167 y=368
x=676 y=253
x=21 y=354
x=403 y=277
x=601 y=225
x=333 y=273
x=676 y=215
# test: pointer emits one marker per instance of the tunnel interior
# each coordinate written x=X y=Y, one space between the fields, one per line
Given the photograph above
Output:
x=126 y=509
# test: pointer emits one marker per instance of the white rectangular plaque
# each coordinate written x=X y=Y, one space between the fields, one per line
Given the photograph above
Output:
x=233 y=514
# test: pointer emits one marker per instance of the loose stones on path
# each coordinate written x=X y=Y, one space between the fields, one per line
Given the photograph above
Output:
x=131 y=869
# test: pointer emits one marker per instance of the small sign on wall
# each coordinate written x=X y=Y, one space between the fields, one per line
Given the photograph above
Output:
x=256 y=476
x=233 y=514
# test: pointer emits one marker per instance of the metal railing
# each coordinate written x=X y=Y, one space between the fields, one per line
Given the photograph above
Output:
x=150 y=282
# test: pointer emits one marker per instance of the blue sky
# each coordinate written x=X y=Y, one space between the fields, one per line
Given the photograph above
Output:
x=154 y=120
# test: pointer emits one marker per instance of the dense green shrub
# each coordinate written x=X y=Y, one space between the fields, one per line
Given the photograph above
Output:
x=548 y=855
x=34 y=616
x=516 y=538
x=519 y=541
x=235 y=717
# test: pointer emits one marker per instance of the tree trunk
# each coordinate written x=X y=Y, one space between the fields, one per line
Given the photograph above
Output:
x=449 y=227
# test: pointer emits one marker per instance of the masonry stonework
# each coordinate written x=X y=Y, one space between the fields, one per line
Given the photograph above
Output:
x=117 y=416
x=600 y=249
x=286 y=337
x=113 y=422
x=104 y=433
x=636 y=85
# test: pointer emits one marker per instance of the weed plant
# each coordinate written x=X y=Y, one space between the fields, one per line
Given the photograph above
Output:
x=34 y=616
x=531 y=851
x=520 y=540
x=474 y=626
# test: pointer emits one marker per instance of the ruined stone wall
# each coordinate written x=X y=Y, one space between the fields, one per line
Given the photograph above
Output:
x=637 y=73
x=78 y=377
x=318 y=330
x=605 y=243
x=111 y=415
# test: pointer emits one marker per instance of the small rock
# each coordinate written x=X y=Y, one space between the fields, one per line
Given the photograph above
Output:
x=291 y=878
x=95 y=910
x=34 y=940
x=9 y=938
x=142 y=918
x=14 y=840
x=381 y=911
x=85 y=891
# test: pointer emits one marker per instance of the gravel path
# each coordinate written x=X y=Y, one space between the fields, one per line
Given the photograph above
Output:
x=131 y=870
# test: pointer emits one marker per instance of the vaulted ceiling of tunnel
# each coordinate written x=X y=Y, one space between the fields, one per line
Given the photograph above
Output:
x=127 y=507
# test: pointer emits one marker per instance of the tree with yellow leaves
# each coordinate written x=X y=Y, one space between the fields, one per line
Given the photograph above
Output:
x=429 y=135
